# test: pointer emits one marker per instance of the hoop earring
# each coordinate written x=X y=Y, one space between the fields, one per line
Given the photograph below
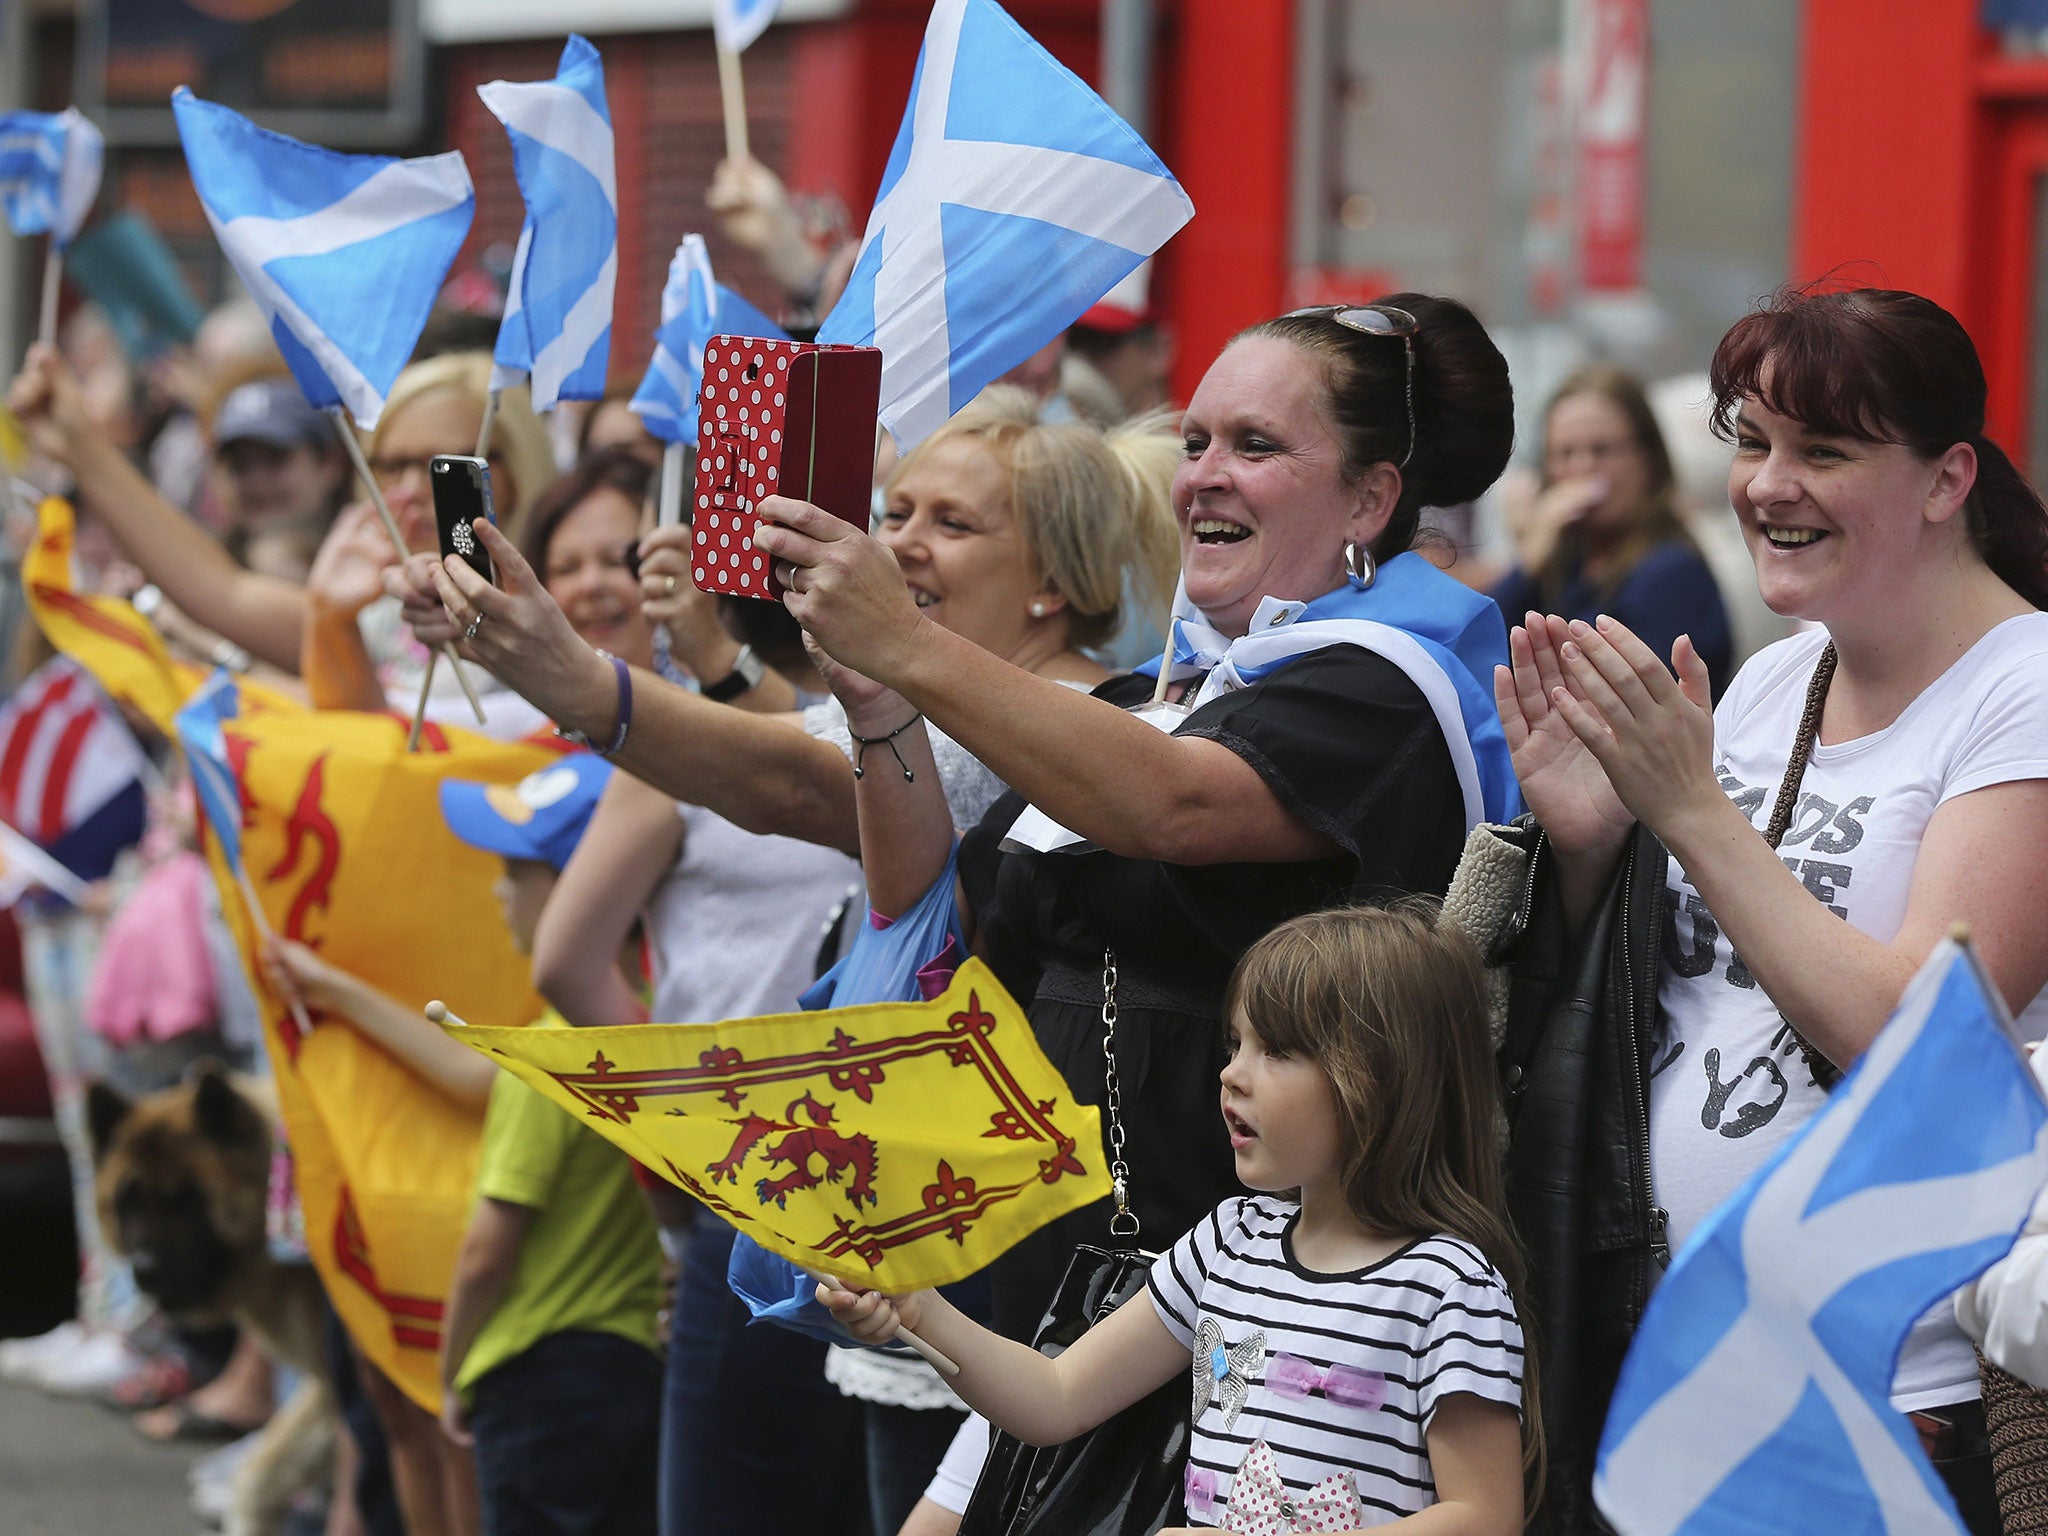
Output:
x=1359 y=569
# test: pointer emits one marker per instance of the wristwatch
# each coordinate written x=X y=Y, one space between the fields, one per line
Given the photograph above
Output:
x=747 y=672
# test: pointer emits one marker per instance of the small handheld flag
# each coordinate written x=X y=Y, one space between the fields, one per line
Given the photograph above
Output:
x=50 y=166
x=344 y=253
x=694 y=308
x=737 y=23
x=1014 y=199
x=558 y=311
x=1756 y=1394
x=894 y=1145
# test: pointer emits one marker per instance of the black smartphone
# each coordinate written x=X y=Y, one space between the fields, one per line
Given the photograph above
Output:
x=462 y=494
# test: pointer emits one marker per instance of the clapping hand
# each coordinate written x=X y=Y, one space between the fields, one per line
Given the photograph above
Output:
x=1652 y=734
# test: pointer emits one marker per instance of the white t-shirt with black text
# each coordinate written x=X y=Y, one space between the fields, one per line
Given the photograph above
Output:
x=1728 y=1083
x=1368 y=1354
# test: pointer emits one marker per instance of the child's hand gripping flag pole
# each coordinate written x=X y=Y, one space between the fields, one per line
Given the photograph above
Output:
x=50 y=167
x=1756 y=1395
x=343 y=253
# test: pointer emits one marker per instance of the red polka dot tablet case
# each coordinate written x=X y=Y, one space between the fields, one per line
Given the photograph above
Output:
x=779 y=418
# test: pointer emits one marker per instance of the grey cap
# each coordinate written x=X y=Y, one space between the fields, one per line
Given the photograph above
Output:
x=267 y=411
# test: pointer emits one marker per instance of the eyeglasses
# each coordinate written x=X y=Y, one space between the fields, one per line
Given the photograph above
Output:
x=1378 y=320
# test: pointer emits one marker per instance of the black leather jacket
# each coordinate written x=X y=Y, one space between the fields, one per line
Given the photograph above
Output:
x=1575 y=1072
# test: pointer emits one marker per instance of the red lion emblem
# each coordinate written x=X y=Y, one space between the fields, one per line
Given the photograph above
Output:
x=816 y=1138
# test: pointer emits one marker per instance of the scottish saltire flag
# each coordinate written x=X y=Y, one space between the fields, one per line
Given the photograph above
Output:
x=49 y=171
x=1014 y=198
x=1754 y=1396
x=343 y=252
x=72 y=776
x=738 y=22
x=558 y=310
x=213 y=775
x=694 y=308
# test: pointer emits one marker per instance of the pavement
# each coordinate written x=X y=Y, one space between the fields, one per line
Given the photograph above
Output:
x=72 y=1467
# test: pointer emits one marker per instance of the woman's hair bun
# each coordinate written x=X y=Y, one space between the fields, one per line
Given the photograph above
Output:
x=1464 y=423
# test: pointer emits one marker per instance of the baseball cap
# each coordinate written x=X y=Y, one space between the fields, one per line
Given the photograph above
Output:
x=1126 y=306
x=267 y=411
x=541 y=818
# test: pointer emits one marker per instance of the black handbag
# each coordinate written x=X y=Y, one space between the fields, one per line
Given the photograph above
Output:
x=1126 y=1476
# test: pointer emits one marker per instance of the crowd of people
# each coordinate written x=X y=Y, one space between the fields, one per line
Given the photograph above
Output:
x=1212 y=874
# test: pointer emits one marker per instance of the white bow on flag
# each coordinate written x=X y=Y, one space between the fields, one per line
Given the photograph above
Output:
x=1755 y=1396
x=558 y=308
x=50 y=166
x=343 y=253
x=738 y=22
x=1013 y=199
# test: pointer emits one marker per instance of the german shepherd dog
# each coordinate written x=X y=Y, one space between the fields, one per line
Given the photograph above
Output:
x=183 y=1177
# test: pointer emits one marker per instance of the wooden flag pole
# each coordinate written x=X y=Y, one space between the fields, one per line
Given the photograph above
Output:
x=733 y=92
x=269 y=935
x=669 y=512
x=483 y=432
x=53 y=275
x=942 y=1363
x=355 y=453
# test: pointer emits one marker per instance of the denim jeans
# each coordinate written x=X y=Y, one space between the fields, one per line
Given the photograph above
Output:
x=753 y=1437
x=904 y=1446
x=566 y=1437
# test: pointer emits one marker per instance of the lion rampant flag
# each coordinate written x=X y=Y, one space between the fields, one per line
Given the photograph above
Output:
x=893 y=1145
x=344 y=845
x=103 y=634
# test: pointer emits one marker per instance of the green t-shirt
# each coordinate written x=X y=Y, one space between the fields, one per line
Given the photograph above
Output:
x=590 y=1258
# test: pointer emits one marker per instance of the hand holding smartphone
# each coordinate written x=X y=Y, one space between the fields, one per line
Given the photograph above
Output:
x=462 y=494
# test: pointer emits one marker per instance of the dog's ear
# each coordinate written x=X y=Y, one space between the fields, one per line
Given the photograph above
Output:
x=221 y=1114
x=105 y=1109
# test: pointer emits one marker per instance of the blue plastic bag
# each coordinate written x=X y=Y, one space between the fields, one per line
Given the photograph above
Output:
x=881 y=965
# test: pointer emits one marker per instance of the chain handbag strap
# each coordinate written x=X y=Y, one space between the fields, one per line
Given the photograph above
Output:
x=1125 y=1222
x=1825 y=1072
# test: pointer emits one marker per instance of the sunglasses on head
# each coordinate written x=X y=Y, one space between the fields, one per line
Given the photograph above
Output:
x=1377 y=320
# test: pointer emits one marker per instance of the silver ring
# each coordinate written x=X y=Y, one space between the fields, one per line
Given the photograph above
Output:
x=668 y=588
x=475 y=624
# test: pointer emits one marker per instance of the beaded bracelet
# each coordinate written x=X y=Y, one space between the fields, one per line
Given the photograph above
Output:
x=889 y=741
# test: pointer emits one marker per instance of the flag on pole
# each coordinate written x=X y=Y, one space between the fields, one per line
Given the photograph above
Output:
x=694 y=308
x=1755 y=1395
x=50 y=166
x=1013 y=199
x=72 y=775
x=24 y=866
x=206 y=751
x=738 y=22
x=894 y=1145
x=558 y=309
x=344 y=253
x=342 y=822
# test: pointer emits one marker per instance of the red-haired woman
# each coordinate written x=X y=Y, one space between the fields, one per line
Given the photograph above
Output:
x=1861 y=786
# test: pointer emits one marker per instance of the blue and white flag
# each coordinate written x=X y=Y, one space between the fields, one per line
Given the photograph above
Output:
x=199 y=724
x=344 y=253
x=558 y=309
x=1443 y=635
x=694 y=308
x=1014 y=198
x=738 y=22
x=49 y=171
x=1755 y=1396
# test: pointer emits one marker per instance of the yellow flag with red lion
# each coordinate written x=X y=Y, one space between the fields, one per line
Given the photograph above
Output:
x=344 y=846
x=893 y=1145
